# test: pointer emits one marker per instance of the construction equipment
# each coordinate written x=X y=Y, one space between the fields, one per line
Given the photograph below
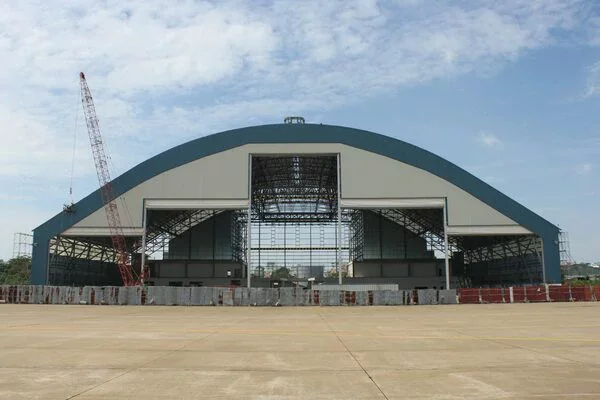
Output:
x=110 y=205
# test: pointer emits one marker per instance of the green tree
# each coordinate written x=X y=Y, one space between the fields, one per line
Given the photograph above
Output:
x=16 y=271
x=282 y=273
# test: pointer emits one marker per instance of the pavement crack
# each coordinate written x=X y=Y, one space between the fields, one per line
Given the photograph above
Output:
x=353 y=357
x=146 y=363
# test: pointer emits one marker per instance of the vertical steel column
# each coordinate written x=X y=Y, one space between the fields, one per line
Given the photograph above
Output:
x=339 y=220
x=249 y=222
x=310 y=248
x=284 y=244
x=214 y=244
x=447 y=262
x=541 y=254
x=143 y=255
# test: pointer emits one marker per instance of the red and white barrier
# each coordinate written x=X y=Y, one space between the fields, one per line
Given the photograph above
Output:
x=529 y=294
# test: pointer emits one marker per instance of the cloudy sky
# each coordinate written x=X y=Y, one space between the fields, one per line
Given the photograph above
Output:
x=509 y=90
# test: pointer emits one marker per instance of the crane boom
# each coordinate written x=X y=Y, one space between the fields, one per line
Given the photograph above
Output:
x=106 y=190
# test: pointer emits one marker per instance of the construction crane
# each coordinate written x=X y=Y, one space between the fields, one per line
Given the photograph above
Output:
x=110 y=205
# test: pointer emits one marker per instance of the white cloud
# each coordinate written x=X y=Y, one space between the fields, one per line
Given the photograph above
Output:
x=584 y=168
x=490 y=140
x=593 y=81
x=165 y=71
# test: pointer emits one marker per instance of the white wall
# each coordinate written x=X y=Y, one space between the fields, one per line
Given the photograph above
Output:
x=364 y=175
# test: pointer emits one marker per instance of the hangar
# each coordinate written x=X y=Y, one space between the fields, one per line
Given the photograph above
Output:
x=297 y=202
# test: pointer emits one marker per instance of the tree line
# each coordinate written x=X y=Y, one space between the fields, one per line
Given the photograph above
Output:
x=16 y=271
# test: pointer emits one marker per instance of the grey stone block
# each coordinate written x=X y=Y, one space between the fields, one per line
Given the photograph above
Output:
x=241 y=296
x=200 y=296
x=287 y=296
x=329 y=297
x=123 y=296
x=183 y=296
x=362 y=298
x=228 y=297
x=448 y=296
x=427 y=296
x=156 y=296
x=388 y=297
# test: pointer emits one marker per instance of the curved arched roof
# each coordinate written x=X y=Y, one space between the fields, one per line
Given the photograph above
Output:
x=304 y=133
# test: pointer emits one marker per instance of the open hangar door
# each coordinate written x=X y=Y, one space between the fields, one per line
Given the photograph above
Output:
x=195 y=246
x=408 y=246
x=493 y=260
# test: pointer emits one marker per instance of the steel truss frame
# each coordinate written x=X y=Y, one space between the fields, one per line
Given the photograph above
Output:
x=79 y=248
x=426 y=223
x=294 y=188
x=170 y=224
x=508 y=259
x=165 y=225
x=75 y=260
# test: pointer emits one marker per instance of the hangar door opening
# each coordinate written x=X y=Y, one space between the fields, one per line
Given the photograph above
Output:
x=295 y=235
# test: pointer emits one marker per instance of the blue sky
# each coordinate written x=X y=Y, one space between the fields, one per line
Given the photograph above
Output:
x=508 y=90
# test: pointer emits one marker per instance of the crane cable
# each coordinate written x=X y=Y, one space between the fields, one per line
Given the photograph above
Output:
x=73 y=155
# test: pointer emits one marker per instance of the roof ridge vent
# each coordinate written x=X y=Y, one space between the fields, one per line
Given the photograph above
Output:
x=294 y=120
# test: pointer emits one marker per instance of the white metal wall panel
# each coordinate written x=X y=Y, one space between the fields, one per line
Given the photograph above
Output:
x=365 y=175
x=487 y=230
x=222 y=176
x=368 y=175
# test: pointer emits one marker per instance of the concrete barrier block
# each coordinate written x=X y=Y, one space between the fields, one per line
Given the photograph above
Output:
x=217 y=296
x=447 y=297
x=57 y=295
x=301 y=297
x=362 y=298
x=196 y=296
x=272 y=296
x=85 y=295
x=206 y=296
x=123 y=297
x=329 y=297
x=241 y=296
x=427 y=296
x=111 y=295
x=71 y=295
x=287 y=296
x=46 y=295
x=23 y=294
x=184 y=296
x=134 y=295
x=258 y=297
x=37 y=295
x=171 y=294
x=388 y=297
x=228 y=297
x=155 y=296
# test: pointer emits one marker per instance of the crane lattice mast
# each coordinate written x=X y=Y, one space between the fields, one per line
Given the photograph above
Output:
x=106 y=190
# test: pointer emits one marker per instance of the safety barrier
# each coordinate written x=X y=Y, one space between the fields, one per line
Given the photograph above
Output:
x=239 y=296
x=529 y=294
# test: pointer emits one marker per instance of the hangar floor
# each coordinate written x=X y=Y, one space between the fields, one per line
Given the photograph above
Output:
x=524 y=351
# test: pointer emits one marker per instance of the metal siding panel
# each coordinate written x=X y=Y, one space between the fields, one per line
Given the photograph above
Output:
x=220 y=176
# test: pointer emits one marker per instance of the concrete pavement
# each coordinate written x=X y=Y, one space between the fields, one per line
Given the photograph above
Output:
x=504 y=351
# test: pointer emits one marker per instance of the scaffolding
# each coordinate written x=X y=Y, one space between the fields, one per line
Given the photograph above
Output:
x=22 y=245
x=565 y=249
